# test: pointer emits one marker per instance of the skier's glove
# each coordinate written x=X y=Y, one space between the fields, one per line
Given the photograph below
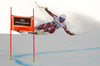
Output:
x=72 y=34
x=46 y=8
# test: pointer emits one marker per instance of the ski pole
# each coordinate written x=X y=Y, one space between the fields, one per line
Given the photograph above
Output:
x=39 y=6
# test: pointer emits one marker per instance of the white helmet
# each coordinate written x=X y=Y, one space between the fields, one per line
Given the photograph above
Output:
x=63 y=16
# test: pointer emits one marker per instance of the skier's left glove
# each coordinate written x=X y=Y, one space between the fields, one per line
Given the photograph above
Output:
x=46 y=8
x=72 y=34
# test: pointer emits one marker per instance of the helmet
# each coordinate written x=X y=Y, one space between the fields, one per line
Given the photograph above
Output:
x=63 y=16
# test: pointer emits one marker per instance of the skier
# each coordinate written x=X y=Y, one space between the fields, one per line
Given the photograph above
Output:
x=50 y=27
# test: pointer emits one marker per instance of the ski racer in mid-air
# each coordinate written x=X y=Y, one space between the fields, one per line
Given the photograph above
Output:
x=51 y=27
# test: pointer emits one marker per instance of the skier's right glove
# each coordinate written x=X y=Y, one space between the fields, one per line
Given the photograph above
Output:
x=72 y=34
x=46 y=8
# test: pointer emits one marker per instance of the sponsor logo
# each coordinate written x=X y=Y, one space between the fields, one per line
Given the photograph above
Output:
x=22 y=20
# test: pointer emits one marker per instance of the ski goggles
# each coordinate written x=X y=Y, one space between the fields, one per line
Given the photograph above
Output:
x=62 y=19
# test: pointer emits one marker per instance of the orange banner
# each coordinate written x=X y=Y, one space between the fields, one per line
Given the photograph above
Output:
x=22 y=23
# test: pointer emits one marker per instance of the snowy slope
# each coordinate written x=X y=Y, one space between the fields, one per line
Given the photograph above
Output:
x=59 y=48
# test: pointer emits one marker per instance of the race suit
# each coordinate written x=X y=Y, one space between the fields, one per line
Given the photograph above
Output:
x=50 y=27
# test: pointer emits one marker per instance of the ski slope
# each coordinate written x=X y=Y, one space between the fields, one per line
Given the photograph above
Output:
x=56 y=49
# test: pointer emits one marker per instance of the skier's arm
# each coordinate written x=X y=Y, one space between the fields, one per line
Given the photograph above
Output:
x=49 y=12
x=67 y=31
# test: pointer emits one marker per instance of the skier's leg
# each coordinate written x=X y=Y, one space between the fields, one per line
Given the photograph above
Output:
x=43 y=28
x=50 y=29
x=40 y=27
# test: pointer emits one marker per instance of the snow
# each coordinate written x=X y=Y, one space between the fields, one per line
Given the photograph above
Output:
x=56 y=49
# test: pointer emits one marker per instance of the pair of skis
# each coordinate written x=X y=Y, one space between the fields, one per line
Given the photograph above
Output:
x=37 y=32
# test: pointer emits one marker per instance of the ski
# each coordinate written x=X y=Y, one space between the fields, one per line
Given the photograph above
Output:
x=37 y=32
x=29 y=32
x=22 y=32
